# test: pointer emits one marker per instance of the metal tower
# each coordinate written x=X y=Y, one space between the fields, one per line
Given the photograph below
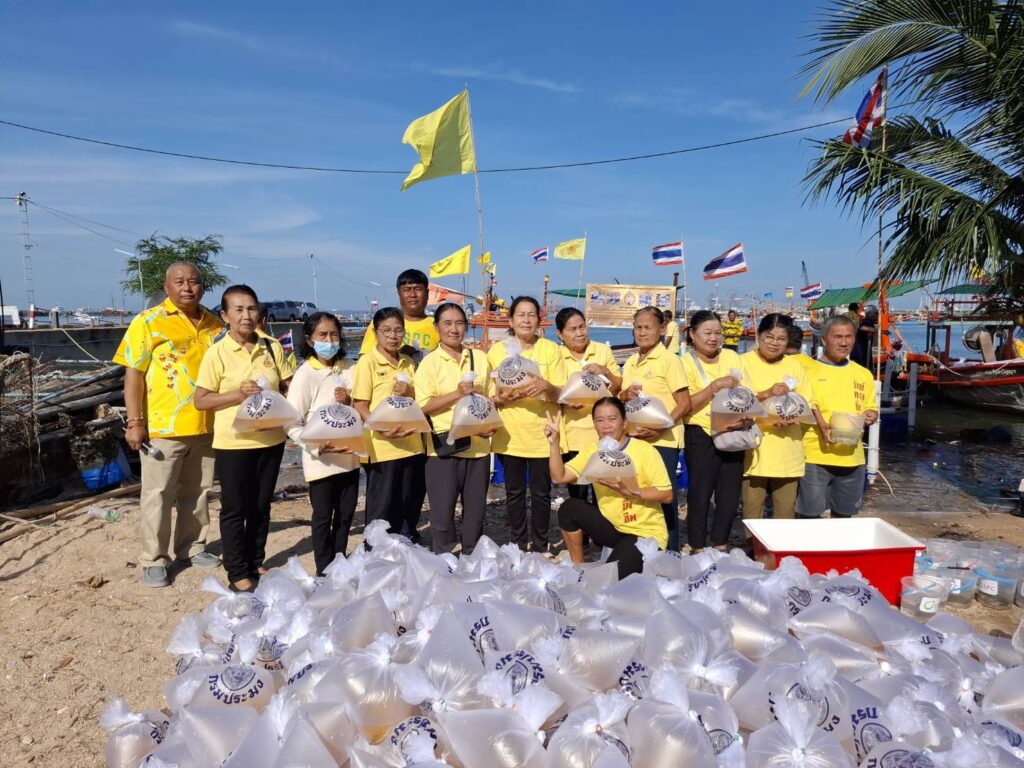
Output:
x=26 y=244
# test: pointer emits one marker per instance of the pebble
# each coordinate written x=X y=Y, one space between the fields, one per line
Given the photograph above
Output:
x=26 y=740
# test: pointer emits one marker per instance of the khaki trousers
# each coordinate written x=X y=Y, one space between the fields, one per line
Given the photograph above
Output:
x=181 y=479
x=783 y=490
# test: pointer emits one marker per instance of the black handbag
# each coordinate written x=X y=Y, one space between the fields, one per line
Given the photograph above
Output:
x=439 y=440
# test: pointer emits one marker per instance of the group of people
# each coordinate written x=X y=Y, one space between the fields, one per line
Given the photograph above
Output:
x=188 y=371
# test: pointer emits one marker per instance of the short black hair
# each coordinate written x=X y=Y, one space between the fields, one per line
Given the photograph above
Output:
x=668 y=314
x=774 y=320
x=796 y=337
x=411 y=277
x=520 y=299
x=565 y=315
x=854 y=306
x=445 y=307
x=658 y=314
x=387 y=313
x=238 y=288
x=697 y=319
x=619 y=405
x=309 y=327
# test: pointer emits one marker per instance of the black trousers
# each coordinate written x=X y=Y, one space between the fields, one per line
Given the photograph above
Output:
x=575 y=490
x=448 y=480
x=540 y=500
x=670 y=457
x=247 y=480
x=394 y=491
x=712 y=473
x=575 y=515
x=334 y=505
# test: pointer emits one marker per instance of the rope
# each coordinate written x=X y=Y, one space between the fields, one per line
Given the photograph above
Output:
x=84 y=350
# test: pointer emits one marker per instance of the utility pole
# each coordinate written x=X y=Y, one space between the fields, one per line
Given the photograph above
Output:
x=316 y=299
x=26 y=244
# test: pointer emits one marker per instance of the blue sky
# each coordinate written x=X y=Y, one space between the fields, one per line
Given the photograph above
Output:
x=336 y=84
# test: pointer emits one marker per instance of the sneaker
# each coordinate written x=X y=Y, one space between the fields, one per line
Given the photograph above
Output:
x=155 y=576
x=203 y=560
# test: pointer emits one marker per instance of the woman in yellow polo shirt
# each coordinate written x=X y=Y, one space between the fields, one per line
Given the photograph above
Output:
x=520 y=443
x=579 y=353
x=247 y=462
x=466 y=474
x=622 y=514
x=331 y=471
x=711 y=472
x=394 y=468
x=659 y=374
x=777 y=465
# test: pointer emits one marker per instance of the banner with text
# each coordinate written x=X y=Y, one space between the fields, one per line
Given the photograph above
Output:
x=611 y=305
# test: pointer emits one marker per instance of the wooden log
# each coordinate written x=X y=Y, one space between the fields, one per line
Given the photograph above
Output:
x=66 y=507
x=78 y=405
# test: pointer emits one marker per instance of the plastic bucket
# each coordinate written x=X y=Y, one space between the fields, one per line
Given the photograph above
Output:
x=997 y=582
x=963 y=583
x=922 y=596
x=107 y=475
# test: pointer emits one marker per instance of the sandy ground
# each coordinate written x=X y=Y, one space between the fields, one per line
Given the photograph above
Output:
x=78 y=628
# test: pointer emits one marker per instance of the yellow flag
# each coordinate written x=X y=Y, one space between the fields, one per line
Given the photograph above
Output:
x=456 y=264
x=572 y=250
x=444 y=141
x=485 y=259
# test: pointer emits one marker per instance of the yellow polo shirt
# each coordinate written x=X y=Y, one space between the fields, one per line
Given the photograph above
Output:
x=672 y=337
x=660 y=375
x=440 y=374
x=782 y=450
x=578 y=423
x=847 y=388
x=523 y=433
x=163 y=344
x=727 y=360
x=421 y=334
x=374 y=380
x=225 y=367
x=643 y=519
x=732 y=332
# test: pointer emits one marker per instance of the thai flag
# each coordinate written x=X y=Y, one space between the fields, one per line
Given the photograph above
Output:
x=732 y=262
x=811 y=291
x=870 y=114
x=541 y=254
x=287 y=343
x=669 y=253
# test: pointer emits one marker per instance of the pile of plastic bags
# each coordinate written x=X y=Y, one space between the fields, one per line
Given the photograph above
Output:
x=399 y=657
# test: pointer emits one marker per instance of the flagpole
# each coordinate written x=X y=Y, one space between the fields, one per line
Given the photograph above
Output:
x=484 y=275
x=579 y=283
x=682 y=249
x=874 y=431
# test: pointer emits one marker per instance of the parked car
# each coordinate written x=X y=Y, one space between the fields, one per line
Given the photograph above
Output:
x=289 y=310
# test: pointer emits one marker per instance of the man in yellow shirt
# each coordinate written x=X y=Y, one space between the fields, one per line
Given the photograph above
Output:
x=420 y=333
x=161 y=353
x=834 y=473
x=732 y=331
x=671 y=333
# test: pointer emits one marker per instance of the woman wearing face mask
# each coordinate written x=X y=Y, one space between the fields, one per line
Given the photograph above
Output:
x=659 y=374
x=394 y=469
x=247 y=462
x=778 y=464
x=520 y=442
x=441 y=381
x=579 y=353
x=623 y=514
x=712 y=472
x=331 y=471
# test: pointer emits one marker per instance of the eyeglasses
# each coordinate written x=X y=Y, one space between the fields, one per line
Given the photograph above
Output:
x=407 y=289
x=775 y=339
x=391 y=332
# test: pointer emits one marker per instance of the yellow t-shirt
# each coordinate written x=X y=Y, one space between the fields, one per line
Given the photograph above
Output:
x=727 y=361
x=226 y=365
x=440 y=374
x=806 y=361
x=1018 y=347
x=660 y=375
x=373 y=380
x=578 y=423
x=163 y=344
x=644 y=519
x=420 y=334
x=523 y=433
x=848 y=388
x=732 y=332
x=672 y=337
x=781 y=453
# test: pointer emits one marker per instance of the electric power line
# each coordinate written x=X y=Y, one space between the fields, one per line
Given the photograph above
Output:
x=74 y=223
x=51 y=209
x=379 y=171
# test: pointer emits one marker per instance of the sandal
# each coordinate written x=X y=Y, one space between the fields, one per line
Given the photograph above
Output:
x=233 y=586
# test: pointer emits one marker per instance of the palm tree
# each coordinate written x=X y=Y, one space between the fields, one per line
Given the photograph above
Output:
x=949 y=185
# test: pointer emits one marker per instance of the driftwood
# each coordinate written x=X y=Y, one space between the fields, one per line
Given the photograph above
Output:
x=62 y=509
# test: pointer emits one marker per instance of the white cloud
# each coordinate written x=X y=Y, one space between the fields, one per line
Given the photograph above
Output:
x=513 y=76
x=198 y=31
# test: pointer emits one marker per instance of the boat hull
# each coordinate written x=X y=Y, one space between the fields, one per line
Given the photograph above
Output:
x=994 y=386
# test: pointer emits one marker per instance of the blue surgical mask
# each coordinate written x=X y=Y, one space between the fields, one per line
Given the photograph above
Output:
x=326 y=349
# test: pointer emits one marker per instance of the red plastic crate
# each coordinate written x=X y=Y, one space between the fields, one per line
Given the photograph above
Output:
x=882 y=552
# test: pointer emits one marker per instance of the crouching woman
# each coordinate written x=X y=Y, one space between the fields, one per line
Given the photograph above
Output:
x=625 y=511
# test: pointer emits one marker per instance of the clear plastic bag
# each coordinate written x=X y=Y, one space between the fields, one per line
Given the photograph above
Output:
x=130 y=735
x=473 y=415
x=281 y=732
x=847 y=428
x=664 y=729
x=583 y=388
x=609 y=462
x=589 y=730
x=268 y=409
x=213 y=733
x=733 y=405
x=791 y=407
x=647 y=412
x=794 y=741
x=515 y=371
x=190 y=652
x=394 y=412
x=337 y=424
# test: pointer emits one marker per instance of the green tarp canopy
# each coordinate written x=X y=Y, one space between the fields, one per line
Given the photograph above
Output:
x=842 y=297
x=967 y=289
x=573 y=293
